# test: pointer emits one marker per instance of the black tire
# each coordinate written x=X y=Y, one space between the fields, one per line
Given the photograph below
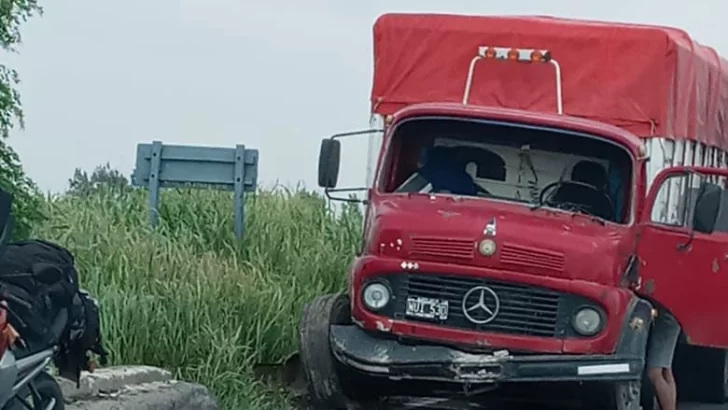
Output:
x=724 y=396
x=48 y=389
x=714 y=388
x=326 y=377
x=627 y=395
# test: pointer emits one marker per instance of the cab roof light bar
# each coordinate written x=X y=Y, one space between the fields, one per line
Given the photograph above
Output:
x=519 y=55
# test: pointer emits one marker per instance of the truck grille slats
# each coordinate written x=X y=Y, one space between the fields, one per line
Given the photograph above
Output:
x=442 y=248
x=523 y=256
x=524 y=310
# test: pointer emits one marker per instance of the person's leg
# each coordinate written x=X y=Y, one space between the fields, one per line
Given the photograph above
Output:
x=672 y=387
x=660 y=353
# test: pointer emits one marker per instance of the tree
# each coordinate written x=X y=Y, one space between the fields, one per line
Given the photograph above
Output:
x=103 y=178
x=27 y=198
x=12 y=14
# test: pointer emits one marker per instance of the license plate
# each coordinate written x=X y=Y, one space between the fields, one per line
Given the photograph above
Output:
x=427 y=308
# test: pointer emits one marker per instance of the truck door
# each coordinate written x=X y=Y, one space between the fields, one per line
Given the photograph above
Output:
x=683 y=251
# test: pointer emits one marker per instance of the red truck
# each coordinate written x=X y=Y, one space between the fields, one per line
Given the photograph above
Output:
x=540 y=187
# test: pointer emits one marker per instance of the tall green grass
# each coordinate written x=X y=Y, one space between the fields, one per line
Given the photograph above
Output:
x=189 y=297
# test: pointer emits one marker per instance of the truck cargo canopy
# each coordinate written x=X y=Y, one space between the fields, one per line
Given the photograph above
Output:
x=652 y=81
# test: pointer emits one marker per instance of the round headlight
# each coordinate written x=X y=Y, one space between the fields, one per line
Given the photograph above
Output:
x=376 y=295
x=587 y=321
x=487 y=247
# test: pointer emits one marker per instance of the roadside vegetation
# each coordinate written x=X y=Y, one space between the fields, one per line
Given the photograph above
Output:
x=26 y=205
x=185 y=296
x=189 y=297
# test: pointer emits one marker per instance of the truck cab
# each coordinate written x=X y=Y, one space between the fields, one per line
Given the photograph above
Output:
x=525 y=219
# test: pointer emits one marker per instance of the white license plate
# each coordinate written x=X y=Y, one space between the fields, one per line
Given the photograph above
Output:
x=427 y=308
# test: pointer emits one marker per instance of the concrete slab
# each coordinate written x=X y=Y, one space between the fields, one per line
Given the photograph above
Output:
x=135 y=388
x=169 y=395
x=112 y=379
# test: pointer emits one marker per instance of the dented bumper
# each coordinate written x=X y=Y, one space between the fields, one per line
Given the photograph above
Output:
x=389 y=358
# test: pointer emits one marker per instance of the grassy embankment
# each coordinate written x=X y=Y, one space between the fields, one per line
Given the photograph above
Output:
x=188 y=297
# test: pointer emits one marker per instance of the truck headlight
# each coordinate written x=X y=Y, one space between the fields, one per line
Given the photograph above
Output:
x=587 y=321
x=376 y=295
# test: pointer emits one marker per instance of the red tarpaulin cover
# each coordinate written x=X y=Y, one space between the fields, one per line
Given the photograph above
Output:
x=648 y=80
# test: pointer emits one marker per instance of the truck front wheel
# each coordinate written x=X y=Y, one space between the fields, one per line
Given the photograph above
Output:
x=330 y=383
x=626 y=396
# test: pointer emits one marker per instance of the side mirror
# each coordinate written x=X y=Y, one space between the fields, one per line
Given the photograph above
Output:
x=707 y=207
x=329 y=161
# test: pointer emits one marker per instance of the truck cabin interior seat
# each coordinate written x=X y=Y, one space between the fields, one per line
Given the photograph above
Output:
x=595 y=200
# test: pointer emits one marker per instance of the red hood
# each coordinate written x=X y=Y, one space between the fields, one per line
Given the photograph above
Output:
x=540 y=242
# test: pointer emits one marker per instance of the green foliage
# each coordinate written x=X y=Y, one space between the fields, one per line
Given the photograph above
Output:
x=103 y=178
x=26 y=203
x=27 y=200
x=12 y=14
x=188 y=296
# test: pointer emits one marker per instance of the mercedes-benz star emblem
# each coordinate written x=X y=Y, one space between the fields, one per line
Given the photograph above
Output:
x=481 y=305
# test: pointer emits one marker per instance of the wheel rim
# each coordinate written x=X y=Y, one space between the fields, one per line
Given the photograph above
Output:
x=628 y=395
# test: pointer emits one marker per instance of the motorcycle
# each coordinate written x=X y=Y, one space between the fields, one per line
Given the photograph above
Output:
x=24 y=380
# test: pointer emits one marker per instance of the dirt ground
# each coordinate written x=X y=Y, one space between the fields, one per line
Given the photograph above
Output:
x=290 y=377
x=432 y=404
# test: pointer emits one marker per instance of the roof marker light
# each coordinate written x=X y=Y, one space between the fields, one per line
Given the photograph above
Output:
x=521 y=55
x=525 y=55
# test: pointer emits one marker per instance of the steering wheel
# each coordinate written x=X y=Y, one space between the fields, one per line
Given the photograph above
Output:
x=570 y=206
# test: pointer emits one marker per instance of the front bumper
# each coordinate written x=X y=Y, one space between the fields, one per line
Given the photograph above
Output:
x=391 y=359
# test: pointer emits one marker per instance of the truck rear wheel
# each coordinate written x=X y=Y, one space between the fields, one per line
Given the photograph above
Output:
x=715 y=389
x=329 y=381
x=701 y=374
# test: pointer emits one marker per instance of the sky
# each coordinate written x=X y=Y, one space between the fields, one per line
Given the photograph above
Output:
x=99 y=77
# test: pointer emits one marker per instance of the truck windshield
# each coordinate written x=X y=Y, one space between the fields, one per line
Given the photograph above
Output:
x=510 y=162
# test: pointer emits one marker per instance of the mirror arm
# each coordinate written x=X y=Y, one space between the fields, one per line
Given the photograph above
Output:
x=355 y=133
x=631 y=273
x=338 y=159
x=328 y=192
x=684 y=247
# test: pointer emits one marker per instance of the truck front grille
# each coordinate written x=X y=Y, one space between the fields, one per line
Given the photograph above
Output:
x=524 y=309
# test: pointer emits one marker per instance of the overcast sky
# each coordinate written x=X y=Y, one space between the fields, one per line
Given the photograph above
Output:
x=101 y=76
